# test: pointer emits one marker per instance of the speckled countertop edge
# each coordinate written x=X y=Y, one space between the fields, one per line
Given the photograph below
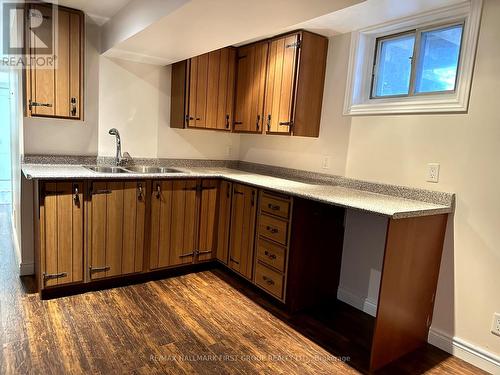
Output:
x=338 y=193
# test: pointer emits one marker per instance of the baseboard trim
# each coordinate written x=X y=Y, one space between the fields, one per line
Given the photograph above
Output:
x=364 y=304
x=15 y=240
x=466 y=351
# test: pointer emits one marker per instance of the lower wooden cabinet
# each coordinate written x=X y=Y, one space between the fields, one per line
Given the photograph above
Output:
x=242 y=233
x=224 y=220
x=116 y=228
x=61 y=233
x=209 y=211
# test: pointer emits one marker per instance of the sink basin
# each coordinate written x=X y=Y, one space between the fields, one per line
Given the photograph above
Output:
x=102 y=169
x=151 y=169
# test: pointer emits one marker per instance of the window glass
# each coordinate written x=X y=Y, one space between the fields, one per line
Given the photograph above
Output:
x=438 y=59
x=394 y=66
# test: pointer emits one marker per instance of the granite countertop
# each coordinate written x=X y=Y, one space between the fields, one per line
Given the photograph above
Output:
x=392 y=206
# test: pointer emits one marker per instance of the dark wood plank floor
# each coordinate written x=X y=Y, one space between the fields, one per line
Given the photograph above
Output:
x=196 y=323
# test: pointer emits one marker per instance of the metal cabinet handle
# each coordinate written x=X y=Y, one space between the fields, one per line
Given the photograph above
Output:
x=238 y=122
x=76 y=197
x=258 y=121
x=253 y=198
x=238 y=192
x=268 y=280
x=273 y=207
x=102 y=191
x=268 y=122
x=227 y=121
x=158 y=191
x=269 y=255
x=286 y=123
x=272 y=230
x=38 y=104
x=73 y=106
x=99 y=269
x=140 y=192
x=50 y=276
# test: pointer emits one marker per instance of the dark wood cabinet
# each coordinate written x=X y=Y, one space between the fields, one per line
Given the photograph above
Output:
x=242 y=232
x=116 y=228
x=55 y=89
x=202 y=94
x=61 y=233
x=209 y=212
x=224 y=220
x=250 y=88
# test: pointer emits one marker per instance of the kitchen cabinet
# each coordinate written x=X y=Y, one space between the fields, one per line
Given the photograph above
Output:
x=250 y=88
x=242 y=232
x=174 y=221
x=224 y=221
x=116 y=228
x=61 y=233
x=202 y=93
x=55 y=89
x=294 y=84
x=209 y=211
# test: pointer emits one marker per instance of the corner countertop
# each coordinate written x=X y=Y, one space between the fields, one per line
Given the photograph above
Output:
x=391 y=206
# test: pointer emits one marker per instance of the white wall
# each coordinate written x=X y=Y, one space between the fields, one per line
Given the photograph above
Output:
x=396 y=149
x=308 y=153
x=70 y=137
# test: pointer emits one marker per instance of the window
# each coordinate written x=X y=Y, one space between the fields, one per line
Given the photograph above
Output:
x=417 y=62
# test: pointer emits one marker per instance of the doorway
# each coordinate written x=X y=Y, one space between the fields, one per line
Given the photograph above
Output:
x=5 y=151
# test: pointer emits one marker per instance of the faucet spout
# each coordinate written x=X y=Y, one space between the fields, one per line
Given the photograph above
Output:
x=116 y=133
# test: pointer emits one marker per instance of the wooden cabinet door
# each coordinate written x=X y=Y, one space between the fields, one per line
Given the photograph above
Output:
x=242 y=234
x=56 y=90
x=161 y=224
x=225 y=96
x=224 y=220
x=250 y=85
x=117 y=214
x=61 y=233
x=198 y=81
x=209 y=212
x=280 y=84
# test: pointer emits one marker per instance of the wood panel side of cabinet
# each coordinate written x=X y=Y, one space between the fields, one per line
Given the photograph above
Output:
x=179 y=95
x=407 y=289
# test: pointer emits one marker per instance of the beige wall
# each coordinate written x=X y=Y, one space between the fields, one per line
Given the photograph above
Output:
x=396 y=149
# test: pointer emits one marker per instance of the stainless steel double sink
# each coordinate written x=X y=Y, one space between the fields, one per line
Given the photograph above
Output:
x=143 y=169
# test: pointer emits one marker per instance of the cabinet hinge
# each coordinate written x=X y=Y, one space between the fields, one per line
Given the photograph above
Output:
x=297 y=44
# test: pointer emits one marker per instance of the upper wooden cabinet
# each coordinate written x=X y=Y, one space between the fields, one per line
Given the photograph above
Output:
x=55 y=90
x=203 y=91
x=294 y=84
x=250 y=88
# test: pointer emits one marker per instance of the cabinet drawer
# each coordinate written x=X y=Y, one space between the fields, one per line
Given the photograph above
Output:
x=272 y=205
x=273 y=228
x=271 y=254
x=270 y=280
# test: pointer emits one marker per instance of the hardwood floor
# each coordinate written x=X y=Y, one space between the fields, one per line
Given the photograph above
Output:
x=196 y=323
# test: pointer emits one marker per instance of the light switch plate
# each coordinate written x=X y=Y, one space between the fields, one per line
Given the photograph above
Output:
x=433 y=172
x=326 y=162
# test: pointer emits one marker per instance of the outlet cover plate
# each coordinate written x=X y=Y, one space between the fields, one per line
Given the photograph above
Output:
x=495 y=326
x=433 y=172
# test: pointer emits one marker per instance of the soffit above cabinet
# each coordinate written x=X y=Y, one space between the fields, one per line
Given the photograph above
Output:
x=192 y=27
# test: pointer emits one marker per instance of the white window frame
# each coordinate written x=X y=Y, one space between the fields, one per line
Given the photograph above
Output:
x=358 y=97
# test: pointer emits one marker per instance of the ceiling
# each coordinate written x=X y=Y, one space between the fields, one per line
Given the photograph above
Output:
x=99 y=10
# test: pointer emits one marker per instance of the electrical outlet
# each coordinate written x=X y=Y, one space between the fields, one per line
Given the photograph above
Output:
x=433 y=172
x=495 y=326
x=326 y=162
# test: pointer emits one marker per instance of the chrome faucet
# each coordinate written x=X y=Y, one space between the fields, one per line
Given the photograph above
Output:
x=116 y=133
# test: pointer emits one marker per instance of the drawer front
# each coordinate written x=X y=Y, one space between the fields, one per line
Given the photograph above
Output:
x=271 y=254
x=269 y=280
x=275 y=206
x=273 y=228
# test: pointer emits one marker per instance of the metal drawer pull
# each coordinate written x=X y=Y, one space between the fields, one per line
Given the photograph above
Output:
x=186 y=255
x=270 y=255
x=268 y=123
x=272 y=230
x=103 y=191
x=227 y=121
x=38 y=104
x=73 y=106
x=238 y=122
x=99 y=269
x=273 y=207
x=268 y=280
x=286 y=123
x=50 y=276
x=158 y=191
x=258 y=120
x=234 y=260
